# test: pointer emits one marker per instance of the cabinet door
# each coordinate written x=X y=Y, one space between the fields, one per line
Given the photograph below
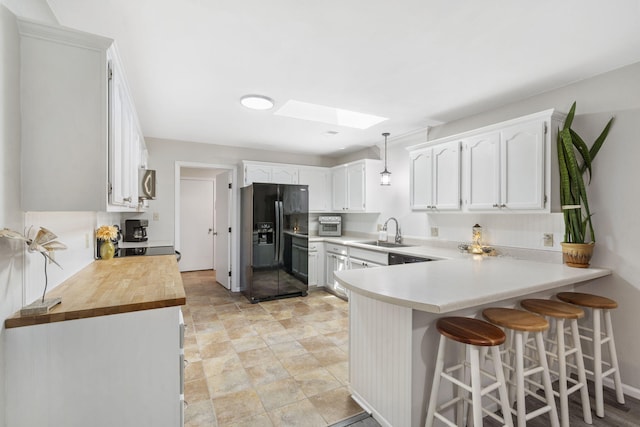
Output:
x=119 y=128
x=522 y=159
x=421 y=172
x=284 y=175
x=313 y=269
x=318 y=181
x=256 y=173
x=483 y=162
x=356 y=187
x=446 y=176
x=339 y=187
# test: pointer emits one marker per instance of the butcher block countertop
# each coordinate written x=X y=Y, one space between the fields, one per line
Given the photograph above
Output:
x=119 y=285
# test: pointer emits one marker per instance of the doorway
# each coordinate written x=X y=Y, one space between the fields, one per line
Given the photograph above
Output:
x=205 y=216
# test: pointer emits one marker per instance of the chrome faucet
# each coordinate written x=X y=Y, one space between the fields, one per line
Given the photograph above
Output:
x=398 y=235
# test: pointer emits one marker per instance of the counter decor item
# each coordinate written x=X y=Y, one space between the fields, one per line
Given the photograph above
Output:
x=46 y=244
x=107 y=234
x=579 y=241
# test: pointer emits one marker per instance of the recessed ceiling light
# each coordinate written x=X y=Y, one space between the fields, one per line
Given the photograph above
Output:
x=323 y=114
x=257 y=102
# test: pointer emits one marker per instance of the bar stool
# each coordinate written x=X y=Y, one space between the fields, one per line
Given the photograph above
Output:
x=520 y=323
x=561 y=312
x=476 y=335
x=599 y=306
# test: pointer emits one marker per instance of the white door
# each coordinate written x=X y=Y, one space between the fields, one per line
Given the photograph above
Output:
x=446 y=176
x=421 y=172
x=222 y=237
x=483 y=179
x=196 y=224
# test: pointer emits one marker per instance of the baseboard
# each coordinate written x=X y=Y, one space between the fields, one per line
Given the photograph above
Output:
x=626 y=389
x=375 y=414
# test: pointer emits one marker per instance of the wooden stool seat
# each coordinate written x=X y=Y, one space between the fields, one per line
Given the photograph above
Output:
x=517 y=320
x=470 y=331
x=588 y=300
x=551 y=308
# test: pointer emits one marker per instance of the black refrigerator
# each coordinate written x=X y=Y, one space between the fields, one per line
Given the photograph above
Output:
x=274 y=241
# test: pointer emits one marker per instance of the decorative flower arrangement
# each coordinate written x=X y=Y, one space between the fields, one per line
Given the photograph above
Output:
x=107 y=232
x=44 y=242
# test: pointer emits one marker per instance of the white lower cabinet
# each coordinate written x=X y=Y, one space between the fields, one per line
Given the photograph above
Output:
x=336 y=259
x=117 y=370
x=363 y=258
x=316 y=264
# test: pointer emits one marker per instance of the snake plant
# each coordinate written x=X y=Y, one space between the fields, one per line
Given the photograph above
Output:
x=574 y=160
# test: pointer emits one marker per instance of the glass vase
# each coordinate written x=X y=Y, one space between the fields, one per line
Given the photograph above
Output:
x=107 y=249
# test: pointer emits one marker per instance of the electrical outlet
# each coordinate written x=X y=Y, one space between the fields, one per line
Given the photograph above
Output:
x=434 y=231
x=86 y=240
x=156 y=216
x=379 y=227
x=547 y=239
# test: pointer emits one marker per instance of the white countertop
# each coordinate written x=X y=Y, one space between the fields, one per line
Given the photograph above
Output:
x=455 y=284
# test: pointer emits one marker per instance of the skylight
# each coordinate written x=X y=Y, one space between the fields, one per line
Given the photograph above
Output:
x=330 y=115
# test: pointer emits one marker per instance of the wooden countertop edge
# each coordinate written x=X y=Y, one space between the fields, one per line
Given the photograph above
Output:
x=42 y=319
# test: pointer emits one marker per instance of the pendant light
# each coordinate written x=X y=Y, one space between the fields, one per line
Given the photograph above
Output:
x=385 y=175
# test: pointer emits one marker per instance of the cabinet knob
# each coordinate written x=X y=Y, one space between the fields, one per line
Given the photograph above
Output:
x=127 y=199
x=495 y=205
x=503 y=205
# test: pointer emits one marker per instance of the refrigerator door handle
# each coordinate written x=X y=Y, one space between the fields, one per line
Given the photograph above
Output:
x=281 y=231
x=276 y=253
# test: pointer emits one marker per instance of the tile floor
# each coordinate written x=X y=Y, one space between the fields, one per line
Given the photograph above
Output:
x=276 y=363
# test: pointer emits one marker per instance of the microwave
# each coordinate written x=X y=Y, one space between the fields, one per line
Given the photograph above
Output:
x=330 y=225
x=147 y=188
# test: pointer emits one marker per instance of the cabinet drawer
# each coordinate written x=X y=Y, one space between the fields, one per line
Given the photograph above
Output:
x=373 y=256
x=336 y=249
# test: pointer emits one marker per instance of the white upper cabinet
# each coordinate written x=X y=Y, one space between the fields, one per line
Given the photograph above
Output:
x=505 y=167
x=483 y=171
x=522 y=166
x=435 y=177
x=81 y=140
x=354 y=186
x=319 y=181
x=269 y=173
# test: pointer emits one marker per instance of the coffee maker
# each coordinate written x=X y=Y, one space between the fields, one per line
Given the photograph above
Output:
x=135 y=230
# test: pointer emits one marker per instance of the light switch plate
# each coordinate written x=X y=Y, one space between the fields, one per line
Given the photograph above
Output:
x=547 y=239
x=434 y=231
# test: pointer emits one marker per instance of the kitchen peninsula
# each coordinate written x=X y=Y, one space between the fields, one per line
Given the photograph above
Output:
x=392 y=311
x=109 y=354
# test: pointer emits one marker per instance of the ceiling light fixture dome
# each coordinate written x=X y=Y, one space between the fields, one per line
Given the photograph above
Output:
x=257 y=102
x=385 y=175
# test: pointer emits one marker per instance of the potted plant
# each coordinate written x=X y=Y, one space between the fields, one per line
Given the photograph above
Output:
x=574 y=161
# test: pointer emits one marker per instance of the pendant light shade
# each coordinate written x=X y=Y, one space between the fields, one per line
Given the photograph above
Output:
x=385 y=175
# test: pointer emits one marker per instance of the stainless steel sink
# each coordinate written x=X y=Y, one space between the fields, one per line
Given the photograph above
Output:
x=384 y=244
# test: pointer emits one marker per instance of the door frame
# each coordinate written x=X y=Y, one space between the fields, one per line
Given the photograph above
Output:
x=234 y=209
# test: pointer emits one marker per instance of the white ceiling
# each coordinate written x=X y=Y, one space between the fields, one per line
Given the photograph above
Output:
x=417 y=62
